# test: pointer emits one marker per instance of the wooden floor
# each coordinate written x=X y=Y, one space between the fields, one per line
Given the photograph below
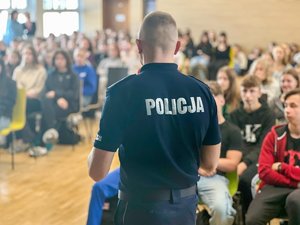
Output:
x=50 y=190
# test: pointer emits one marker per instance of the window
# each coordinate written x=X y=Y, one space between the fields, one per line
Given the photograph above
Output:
x=149 y=6
x=6 y=6
x=60 y=17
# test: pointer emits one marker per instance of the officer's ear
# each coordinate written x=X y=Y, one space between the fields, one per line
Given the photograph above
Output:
x=139 y=45
x=177 y=47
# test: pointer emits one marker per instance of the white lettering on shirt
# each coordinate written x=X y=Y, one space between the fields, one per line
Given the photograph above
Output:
x=173 y=106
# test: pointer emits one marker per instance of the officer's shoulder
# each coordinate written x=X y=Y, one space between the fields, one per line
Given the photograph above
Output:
x=199 y=82
x=123 y=83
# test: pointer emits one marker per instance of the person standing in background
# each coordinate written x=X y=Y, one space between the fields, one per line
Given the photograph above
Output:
x=14 y=29
x=29 y=26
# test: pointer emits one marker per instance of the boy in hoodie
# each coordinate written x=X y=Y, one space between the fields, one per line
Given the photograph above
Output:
x=279 y=169
x=254 y=120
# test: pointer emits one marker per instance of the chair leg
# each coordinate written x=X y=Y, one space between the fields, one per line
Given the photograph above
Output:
x=13 y=151
x=88 y=128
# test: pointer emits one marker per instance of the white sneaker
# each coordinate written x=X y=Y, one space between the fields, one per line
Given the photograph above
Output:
x=37 y=151
x=50 y=136
x=74 y=119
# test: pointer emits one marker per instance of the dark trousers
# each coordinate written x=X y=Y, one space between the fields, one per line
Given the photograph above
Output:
x=176 y=212
x=245 y=186
x=272 y=202
x=52 y=113
x=28 y=133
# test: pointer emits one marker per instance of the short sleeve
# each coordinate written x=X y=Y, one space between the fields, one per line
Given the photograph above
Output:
x=110 y=132
x=236 y=140
x=213 y=135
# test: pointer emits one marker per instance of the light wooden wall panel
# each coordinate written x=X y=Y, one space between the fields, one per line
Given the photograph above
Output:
x=246 y=22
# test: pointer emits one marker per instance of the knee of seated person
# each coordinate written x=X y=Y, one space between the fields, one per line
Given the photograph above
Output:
x=292 y=202
x=219 y=209
x=251 y=219
x=221 y=214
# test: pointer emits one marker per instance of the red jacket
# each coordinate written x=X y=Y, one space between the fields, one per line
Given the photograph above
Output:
x=272 y=150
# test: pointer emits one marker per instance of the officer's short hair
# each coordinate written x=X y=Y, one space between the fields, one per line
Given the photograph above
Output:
x=295 y=91
x=251 y=81
x=159 y=30
x=215 y=88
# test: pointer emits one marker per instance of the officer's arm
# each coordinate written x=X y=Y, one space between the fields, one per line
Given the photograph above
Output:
x=99 y=162
x=209 y=158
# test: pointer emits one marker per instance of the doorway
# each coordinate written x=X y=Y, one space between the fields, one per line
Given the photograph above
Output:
x=116 y=15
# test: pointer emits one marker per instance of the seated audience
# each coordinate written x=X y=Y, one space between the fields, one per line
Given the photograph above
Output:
x=289 y=81
x=226 y=78
x=8 y=94
x=113 y=60
x=269 y=85
x=254 y=120
x=31 y=76
x=213 y=190
x=203 y=51
x=279 y=170
x=221 y=56
x=61 y=92
x=280 y=63
x=13 y=59
x=240 y=61
x=86 y=73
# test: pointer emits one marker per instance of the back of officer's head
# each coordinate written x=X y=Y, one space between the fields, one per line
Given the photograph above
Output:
x=159 y=30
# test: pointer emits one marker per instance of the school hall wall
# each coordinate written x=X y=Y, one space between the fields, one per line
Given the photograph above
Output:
x=248 y=22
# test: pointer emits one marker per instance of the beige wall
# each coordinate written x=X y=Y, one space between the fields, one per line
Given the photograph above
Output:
x=91 y=16
x=93 y=10
x=136 y=16
x=248 y=22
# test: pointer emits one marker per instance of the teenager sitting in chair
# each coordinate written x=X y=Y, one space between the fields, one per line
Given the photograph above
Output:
x=254 y=121
x=213 y=190
x=31 y=76
x=87 y=73
x=279 y=163
x=61 y=95
x=8 y=94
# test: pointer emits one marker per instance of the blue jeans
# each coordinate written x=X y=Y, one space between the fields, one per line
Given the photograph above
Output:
x=213 y=191
x=106 y=188
x=4 y=122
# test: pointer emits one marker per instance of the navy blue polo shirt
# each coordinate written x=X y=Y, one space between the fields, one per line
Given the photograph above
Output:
x=159 y=120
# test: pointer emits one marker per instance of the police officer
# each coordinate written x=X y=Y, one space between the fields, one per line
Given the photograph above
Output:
x=165 y=126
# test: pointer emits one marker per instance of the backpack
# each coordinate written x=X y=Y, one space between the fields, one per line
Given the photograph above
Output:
x=67 y=135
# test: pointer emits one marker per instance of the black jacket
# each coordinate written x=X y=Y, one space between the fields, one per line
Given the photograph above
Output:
x=65 y=86
x=254 y=126
x=8 y=95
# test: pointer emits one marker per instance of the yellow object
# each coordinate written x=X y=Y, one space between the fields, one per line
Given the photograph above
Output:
x=233 y=182
x=18 y=119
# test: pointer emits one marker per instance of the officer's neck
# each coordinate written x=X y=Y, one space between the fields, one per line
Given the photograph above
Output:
x=158 y=56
